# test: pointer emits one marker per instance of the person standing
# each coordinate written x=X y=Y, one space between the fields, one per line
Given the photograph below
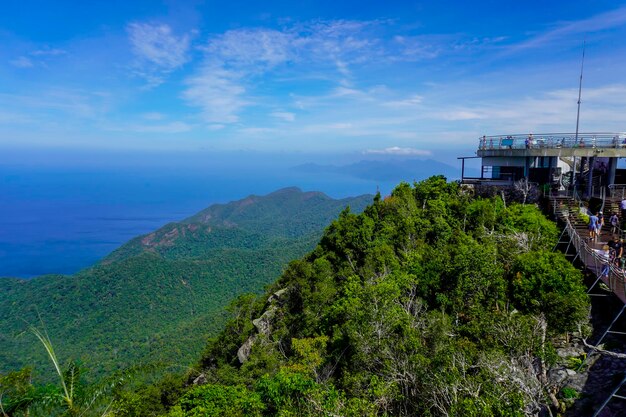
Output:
x=616 y=249
x=600 y=224
x=614 y=220
x=593 y=224
x=622 y=206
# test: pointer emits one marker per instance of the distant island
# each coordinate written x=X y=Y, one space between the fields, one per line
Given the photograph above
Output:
x=386 y=170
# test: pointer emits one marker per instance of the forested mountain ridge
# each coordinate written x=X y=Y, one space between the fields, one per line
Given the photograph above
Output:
x=160 y=295
x=431 y=302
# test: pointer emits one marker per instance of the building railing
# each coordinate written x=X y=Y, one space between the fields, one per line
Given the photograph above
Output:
x=618 y=190
x=616 y=140
x=612 y=276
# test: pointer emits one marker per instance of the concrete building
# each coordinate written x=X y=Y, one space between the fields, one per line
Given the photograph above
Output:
x=587 y=163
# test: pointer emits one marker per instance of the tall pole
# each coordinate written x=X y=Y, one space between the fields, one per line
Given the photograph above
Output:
x=580 y=89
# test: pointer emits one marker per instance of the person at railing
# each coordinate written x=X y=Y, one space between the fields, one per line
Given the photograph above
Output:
x=616 y=141
x=581 y=143
x=622 y=206
x=605 y=257
x=617 y=250
x=484 y=142
x=529 y=141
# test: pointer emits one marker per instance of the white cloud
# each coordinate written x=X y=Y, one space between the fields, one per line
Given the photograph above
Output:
x=396 y=150
x=48 y=52
x=22 y=62
x=157 y=49
x=252 y=47
x=235 y=61
x=285 y=116
x=153 y=116
x=603 y=21
x=74 y=103
x=602 y=110
x=411 y=101
x=218 y=92
x=167 y=128
x=173 y=127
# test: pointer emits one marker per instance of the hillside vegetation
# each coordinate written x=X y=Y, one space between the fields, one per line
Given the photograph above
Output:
x=158 y=297
x=429 y=303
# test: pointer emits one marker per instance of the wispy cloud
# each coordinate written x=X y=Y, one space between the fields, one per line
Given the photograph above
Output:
x=252 y=47
x=602 y=110
x=72 y=103
x=166 y=128
x=564 y=30
x=48 y=52
x=396 y=150
x=153 y=116
x=157 y=49
x=22 y=62
x=283 y=115
x=235 y=60
x=218 y=92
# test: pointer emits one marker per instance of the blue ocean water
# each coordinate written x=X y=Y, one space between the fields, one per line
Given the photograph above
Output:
x=61 y=220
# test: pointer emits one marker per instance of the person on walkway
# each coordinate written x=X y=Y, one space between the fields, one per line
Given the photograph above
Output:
x=605 y=257
x=614 y=220
x=600 y=224
x=622 y=206
x=593 y=224
x=617 y=250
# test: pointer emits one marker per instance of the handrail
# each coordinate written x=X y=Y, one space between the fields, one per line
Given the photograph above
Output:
x=616 y=277
x=615 y=140
x=615 y=187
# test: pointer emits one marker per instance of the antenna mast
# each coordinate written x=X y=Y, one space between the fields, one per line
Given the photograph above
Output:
x=580 y=89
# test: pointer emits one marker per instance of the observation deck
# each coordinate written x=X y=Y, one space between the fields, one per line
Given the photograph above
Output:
x=605 y=144
x=587 y=161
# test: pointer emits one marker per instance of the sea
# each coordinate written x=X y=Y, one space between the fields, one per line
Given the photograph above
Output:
x=60 y=216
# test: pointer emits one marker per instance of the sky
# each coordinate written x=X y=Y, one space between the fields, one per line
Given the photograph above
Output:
x=365 y=78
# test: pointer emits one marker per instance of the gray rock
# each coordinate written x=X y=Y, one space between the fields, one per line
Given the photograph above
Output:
x=200 y=379
x=264 y=323
x=243 y=353
x=558 y=375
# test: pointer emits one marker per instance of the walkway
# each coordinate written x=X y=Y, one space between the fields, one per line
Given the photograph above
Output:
x=568 y=211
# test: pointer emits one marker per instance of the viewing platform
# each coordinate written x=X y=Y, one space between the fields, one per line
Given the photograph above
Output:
x=610 y=145
x=586 y=161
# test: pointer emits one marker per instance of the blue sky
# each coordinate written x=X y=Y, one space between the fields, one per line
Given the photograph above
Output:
x=353 y=77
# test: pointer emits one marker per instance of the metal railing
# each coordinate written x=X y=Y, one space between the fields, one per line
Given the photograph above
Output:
x=616 y=140
x=618 y=190
x=614 y=277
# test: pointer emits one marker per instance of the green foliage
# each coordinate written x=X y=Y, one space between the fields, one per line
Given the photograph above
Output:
x=546 y=282
x=430 y=302
x=160 y=296
x=219 y=401
x=569 y=393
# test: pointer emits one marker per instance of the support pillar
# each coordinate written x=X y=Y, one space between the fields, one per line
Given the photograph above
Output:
x=573 y=184
x=462 y=170
x=591 y=161
x=611 y=173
